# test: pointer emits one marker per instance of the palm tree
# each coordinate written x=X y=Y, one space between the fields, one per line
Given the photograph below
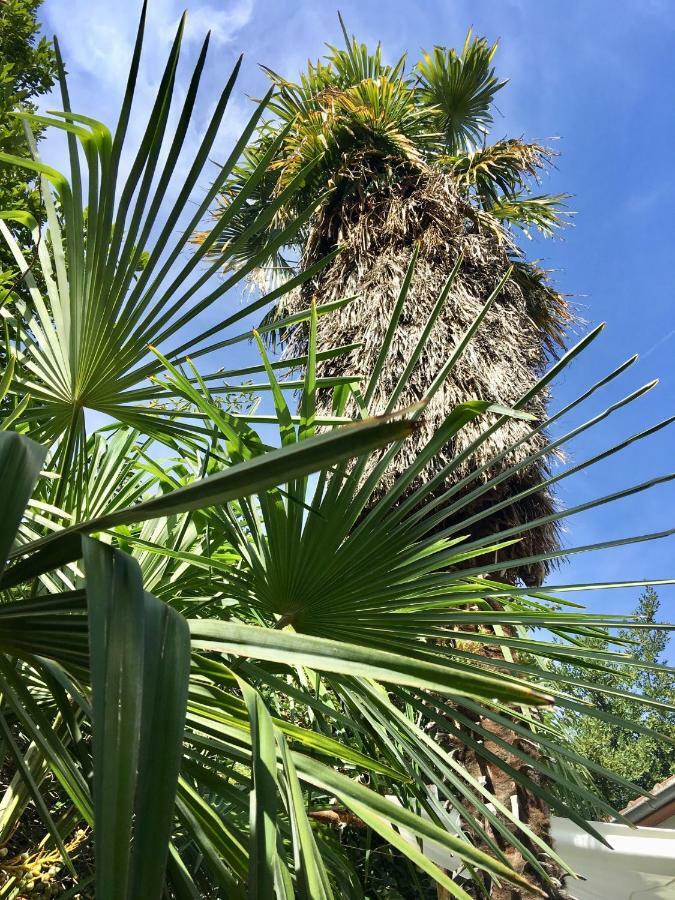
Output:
x=409 y=189
x=217 y=674
x=399 y=162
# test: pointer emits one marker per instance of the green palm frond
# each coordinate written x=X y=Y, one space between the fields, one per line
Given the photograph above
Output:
x=461 y=87
x=330 y=581
x=546 y=213
x=121 y=659
x=333 y=635
x=501 y=168
x=112 y=264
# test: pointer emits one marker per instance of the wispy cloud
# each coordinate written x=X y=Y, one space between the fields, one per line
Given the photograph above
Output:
x=96 y=40
x=96 y=37
x=657 y=346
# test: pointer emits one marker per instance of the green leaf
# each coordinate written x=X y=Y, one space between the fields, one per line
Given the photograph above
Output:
x=309 y=868
x=252 y=476
x=139 y=675
x=351 y=792
x=349 y=659
x=263 y=828
x=20 y=462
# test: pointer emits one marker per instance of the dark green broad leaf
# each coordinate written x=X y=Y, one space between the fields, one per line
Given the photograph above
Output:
x=20 y=463
x=140 y=658
x=241 y=480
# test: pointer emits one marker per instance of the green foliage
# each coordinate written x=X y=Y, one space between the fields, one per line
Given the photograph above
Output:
x=107 y=279
x=641 y=758
x=204 y=650
x=461 y=87
x=353 y=124
x=27 y=71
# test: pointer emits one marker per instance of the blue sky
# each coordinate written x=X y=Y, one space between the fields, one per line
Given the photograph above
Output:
x=596 y=79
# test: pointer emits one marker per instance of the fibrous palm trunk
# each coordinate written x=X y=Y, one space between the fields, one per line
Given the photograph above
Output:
x=378 y=228
x=378 y=223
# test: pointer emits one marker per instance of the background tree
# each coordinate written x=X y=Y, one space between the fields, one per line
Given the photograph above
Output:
x=638 y=757
x=27 y=72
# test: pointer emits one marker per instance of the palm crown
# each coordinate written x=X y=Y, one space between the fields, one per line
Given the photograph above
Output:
x=354 y=121
x=395 y=160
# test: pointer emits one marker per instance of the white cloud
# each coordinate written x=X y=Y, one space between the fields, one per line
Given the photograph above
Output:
x=97 y=37
x=97 y=40
x=224 y=25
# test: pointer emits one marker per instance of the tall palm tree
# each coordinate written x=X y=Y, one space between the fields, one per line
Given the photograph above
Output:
x=220 y=672
x=409 y=188
x=400 y=161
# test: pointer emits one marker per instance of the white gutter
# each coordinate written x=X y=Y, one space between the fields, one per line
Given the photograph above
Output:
x=640 y=865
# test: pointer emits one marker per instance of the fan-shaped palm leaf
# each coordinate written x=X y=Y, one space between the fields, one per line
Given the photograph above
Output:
x=112 y=266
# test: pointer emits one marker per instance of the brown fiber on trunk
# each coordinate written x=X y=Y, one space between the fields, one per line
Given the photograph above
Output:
x=530 y=809
x=377 y=231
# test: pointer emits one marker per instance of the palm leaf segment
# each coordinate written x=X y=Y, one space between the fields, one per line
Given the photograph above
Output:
x=461 y=87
